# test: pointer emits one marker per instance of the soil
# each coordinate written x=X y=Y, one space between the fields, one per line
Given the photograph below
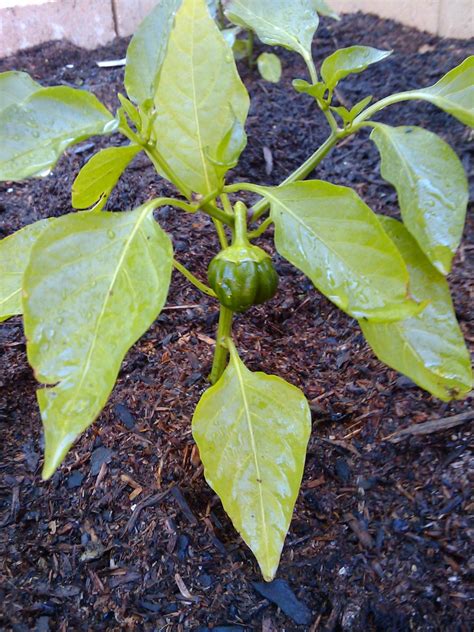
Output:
x=127 y=535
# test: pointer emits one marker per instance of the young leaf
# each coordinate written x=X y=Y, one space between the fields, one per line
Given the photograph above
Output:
x=431 y=185
x=277 y=22
x=15 y=253
x=323 y=8
x=347 y=61
x=100 y=174
x=36 y=132
x=147 y=50
x=269 y=66
x=15 y=87
x=199 y=97
x=94 y=284
x=428 y=348
x=454 y=93
x=252 y=430
x=332 y=236
x=315 y=90
x=348 y=116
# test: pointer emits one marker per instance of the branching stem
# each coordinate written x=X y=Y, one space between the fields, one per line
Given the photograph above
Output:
x=194 y=280
x=221 y=353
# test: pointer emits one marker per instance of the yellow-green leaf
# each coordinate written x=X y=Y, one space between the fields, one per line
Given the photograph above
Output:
x=454 y=93
x=94 y=284
x=347 y=61
x=252 y=430
x=199 y=98
x=277 y=22
x=332 y=236
x=147 y=50
x=15 y=253
x=34 y=133
x=269 y=66
x=323 y=8
x=15 y=87
x=428 y=348
x=97 y=178
x=431 y=185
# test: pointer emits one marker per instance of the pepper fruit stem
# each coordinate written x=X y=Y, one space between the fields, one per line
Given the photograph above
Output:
x=240 y=225
x=221 y=352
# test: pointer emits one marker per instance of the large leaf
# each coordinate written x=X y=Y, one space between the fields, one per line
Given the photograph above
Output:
x=454 y=93
x=15 y=87
x=278 y=22
x=431 y=185
x=429 y=348
x=100 y=174
x=35 y=133
x=200 y=98
x=252 y=430
x=333 y=237
x=347 y=61
x=15 y=253
x=94 y=284
x=147 y=50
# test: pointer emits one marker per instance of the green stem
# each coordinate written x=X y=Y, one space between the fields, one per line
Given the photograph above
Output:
x=261 y=207
x=240 y=226
x=216 y=213
x=219 y=226
x=410 y=95
x=161 y=166
x=194 y=280
x=261 y=229
x=224 y=331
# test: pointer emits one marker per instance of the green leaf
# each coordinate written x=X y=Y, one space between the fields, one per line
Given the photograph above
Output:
x=332 y=236
x=277 y=22
x=431 y=185
x=15 y=87
x=428 y=348
x=100 y=174
x=35 y=133
x=199 y=97
x=240 y=48
x=348 y=116
x=315 y=90
x=15 y=253
x=347 y=61
x=323 y=8
x=147 y=50
x=230 y=36
x=252 y=431
x=94 y=284
x=454 y=93
x=269 y=66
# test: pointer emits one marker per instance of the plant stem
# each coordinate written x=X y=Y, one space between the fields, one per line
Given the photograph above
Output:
x=219 y=226
x=216 y=213
x=410 y=95
x=194 y=280
x=261 y=229
x=261 y=207
x=221 y=352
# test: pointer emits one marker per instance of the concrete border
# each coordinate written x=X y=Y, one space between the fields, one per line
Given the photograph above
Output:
x=89 y=23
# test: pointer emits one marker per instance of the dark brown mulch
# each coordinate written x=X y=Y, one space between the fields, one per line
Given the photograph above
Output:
x=127 y=535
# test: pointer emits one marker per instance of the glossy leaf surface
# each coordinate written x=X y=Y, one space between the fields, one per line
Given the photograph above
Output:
x=428 y=348
x=100 y=174
x=35 y=133
x=147 y=50
x=94 y=284
x=323 y=8
x=199 y=99
x=332 y=236
x=278 y=22
x=347 y=61
x=15 y=87
x=269 y=66
x=431 y=185
x=252 y=430
x=454 y=93
x=15 y=253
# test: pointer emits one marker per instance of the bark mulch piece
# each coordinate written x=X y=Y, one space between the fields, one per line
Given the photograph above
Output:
x=127 y=535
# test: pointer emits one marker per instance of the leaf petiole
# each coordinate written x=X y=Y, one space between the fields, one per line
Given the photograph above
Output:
x=193 y=279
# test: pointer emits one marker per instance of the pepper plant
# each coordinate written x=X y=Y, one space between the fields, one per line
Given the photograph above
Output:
x=90 y=283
